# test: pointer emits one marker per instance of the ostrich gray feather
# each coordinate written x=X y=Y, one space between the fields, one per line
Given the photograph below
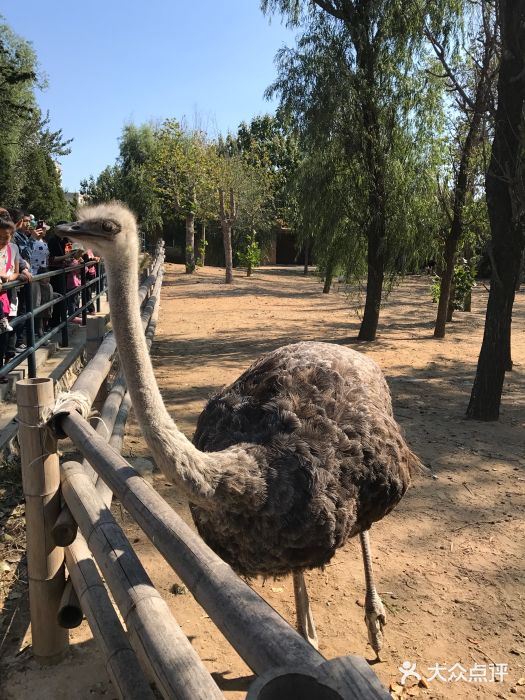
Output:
x=318 y=419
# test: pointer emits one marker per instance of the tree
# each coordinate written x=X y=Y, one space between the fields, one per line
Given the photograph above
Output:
x=17 y=108
x=184 y=176
x=246 y=187
x=469 y=78
x=353 y=82
x=130 y=180
x=269 y=146
x=28 y=148
x=506 y=206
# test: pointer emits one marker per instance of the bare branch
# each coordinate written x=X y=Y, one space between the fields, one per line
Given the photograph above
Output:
x=440 y=54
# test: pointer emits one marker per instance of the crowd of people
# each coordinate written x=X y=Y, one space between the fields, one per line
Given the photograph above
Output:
x=29 y=247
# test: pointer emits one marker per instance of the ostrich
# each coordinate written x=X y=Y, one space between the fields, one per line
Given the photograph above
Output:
x=295 y=457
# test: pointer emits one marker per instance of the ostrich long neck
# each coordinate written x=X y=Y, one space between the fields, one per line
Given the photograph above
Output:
x=198 y=473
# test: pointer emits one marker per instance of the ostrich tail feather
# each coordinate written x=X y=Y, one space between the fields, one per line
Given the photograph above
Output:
x=416 y=467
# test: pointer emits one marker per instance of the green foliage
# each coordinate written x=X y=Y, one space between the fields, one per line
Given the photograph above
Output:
x=463 y=281
x=28 y=148
x=367 y=118
x=435 y=289
x=249 y=255
x=201 y=253
x=183 y=171
x=269 y=147
x=129 y=180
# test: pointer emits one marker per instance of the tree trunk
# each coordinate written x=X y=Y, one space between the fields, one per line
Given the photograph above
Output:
x=227 y=240
x=449 y=257
x=446 y=295
x=329 y=275
x=374 y=290
x=227 y=221
x=450 y=308
x=306 y=256
x=506 y=209
x=190 y=243
x=519 y=279
x=203 y=244
x=249 y=270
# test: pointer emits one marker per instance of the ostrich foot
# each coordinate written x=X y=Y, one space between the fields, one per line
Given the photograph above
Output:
x=305 y=619
x=375 y=618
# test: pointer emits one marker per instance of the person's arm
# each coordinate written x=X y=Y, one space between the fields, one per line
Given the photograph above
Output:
x=23 y=269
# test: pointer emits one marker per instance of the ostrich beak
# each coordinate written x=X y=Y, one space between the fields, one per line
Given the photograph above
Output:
x=94 y=230
x=66 y=230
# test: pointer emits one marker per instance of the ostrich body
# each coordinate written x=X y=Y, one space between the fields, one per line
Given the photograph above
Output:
x=317 y=419
x=288 y=462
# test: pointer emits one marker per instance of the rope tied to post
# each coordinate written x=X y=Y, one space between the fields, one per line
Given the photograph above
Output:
x=66 y=402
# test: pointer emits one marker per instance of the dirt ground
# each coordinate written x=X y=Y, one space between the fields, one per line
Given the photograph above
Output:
x=449 y=561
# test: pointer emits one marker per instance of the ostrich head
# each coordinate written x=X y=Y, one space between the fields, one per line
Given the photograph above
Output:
x=108 y=229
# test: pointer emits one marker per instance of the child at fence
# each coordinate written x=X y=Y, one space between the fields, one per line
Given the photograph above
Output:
x=58 y=260
x=73 y=280
x=9 y=270
x=91 y=273
x=42 y=292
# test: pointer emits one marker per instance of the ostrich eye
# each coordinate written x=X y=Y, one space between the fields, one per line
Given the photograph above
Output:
x=107 y=226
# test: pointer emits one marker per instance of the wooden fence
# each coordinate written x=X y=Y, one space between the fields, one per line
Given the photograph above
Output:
x=70 y=526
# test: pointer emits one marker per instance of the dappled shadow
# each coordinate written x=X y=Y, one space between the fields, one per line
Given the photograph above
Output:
x=235 y=683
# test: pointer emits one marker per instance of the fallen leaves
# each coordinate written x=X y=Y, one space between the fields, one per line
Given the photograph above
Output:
x=401 y=692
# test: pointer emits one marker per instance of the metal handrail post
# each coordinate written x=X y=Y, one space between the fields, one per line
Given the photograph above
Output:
x=63 y=308
x=98 y=285
x=83 y=294
x=30 y=327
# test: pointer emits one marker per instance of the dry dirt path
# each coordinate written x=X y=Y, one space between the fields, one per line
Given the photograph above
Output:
x=449 y=560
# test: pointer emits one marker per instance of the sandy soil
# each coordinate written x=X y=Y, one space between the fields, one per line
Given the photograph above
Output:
x=449 y=561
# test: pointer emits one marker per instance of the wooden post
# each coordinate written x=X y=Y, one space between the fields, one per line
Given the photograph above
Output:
x=95 y=331
x=41 y=482
x=156 y=637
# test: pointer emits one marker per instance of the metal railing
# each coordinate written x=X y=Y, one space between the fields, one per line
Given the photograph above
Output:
x=90 y=293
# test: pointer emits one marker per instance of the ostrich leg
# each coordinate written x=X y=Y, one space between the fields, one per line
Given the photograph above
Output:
x=375 y=616
x=305 y=620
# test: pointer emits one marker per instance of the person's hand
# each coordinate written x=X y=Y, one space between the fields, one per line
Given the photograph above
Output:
x=25 y=276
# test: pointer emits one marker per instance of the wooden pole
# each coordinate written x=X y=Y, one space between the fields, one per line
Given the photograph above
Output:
x=258 y=633
x=120 y=659
x=343 y=678
x=69 y=613
x=156 y=637
x=41 y=482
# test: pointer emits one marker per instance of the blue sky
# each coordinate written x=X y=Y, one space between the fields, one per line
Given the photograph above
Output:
x=112 y=62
